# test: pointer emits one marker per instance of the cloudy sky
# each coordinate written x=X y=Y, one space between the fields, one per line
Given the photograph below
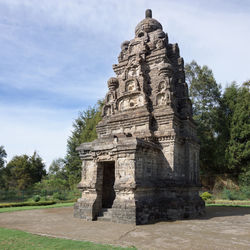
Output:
x=56 y=56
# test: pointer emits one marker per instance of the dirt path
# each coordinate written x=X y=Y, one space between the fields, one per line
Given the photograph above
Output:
x=221 y=228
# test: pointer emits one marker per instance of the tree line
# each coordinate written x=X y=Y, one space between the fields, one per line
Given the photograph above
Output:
x=223 y=126
x=29 y=172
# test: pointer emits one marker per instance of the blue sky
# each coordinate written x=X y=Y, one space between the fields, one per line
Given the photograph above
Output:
x=57 y=55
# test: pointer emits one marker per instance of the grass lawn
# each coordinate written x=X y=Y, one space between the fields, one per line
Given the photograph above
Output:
x=13 y=209
x=15 y=239
x=228 y=203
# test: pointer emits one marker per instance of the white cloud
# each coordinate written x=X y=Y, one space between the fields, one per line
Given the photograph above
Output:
x=217 y=38
x=214 y=35
x=24 y=130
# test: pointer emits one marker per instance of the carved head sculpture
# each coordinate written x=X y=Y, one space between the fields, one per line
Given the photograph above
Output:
x=166 y=69
x=113 y=83
x=124 y=45
x=160 y=34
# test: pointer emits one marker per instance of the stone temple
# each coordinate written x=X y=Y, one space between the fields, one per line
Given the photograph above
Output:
x=144 y=166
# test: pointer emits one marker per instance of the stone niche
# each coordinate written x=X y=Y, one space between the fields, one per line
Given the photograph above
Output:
x=144 y=166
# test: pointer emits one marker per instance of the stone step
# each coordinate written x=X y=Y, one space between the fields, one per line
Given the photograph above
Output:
x=101 y=218
x=103 y=211
x=105 y=214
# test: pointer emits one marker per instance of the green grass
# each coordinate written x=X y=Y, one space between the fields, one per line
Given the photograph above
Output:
x=13 y=209
x=238 y=202
x=15 y=239
x=226 y=205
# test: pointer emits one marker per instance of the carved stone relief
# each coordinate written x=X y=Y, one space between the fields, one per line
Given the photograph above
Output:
x=130 y=102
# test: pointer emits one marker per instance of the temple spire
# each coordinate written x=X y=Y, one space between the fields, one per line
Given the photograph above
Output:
x=148 y=13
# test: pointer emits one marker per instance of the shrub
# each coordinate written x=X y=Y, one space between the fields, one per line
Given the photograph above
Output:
x=245 y=191
x=206 y=196
x=244 y=178
x=226 y=194
x=36 y=198
x=73 y=194
x=210 y=201
x=21 y=204
x=232 y=194
x=43 y=192
x=59 y=196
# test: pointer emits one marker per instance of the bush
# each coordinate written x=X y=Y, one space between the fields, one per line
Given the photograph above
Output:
x=36 y=198
x=206 y=196
x=59 y=196
x=21 y=204
x=244 y=179
x=210 y=201
x=228 y=195
x=43 y=193
x=245 y=191
x=73 y=194
x=233 y=194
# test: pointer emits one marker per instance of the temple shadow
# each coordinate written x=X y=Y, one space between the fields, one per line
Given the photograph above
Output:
x=211 y=212
x=223 y=211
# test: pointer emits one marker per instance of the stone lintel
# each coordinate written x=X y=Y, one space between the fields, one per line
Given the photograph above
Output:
x=114 y=146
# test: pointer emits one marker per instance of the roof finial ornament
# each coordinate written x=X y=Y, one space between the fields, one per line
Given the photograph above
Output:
x=148 y=13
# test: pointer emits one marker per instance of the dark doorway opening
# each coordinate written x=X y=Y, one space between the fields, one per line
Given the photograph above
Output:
x=108 y=192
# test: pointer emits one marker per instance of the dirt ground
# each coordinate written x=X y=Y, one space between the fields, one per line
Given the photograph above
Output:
x=220 y=228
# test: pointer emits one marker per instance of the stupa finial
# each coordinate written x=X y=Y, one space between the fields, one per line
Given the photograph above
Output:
x=148 y=13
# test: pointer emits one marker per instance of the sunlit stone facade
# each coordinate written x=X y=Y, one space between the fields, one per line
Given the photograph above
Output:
x=144 y=166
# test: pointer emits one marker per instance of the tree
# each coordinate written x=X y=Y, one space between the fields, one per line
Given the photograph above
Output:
x=3 y=156
x=23 y=171
x=84 y=130
x=57 y=168
x=238 y=150
x=205 y=95
x=223 y=126
x=234 y=128
x=56 y=179
x=203 y=90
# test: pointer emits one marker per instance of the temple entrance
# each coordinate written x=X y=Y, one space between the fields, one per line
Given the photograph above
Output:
x=108 y=192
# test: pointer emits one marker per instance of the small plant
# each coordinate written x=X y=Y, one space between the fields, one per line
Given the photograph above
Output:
x=36 y=198
x=206 y=196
